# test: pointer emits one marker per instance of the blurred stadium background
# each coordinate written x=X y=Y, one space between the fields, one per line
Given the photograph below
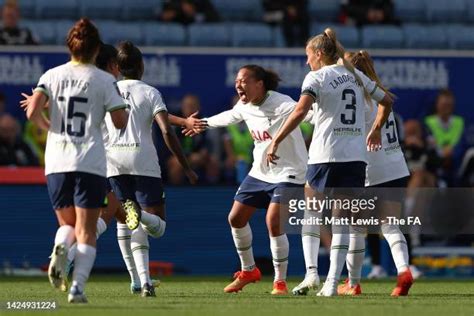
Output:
x=193 y=49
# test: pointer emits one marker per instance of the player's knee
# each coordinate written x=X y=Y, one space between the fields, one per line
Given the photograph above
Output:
x=273 y=226
x=236 y=221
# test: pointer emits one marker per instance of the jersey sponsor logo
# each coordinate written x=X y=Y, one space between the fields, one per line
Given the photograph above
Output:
x=261 y=135
x=347 y=131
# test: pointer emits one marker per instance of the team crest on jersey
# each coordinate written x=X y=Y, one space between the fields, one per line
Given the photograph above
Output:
x=261 y=135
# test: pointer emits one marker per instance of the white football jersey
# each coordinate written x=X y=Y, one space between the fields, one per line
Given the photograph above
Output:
x=339 y=121
x=79 y=96
x=131 y=150
x=264 y=121
x=388 y=163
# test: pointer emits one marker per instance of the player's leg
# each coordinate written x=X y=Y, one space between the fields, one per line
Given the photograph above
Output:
x=279 y=247
x=310 y=234
x=250 y=196
x=125 y=188
x=354 y=262
x=103 y=221
x=345 y=178
x=124 y=239
x=399 y=249
x=61 y=190
x=151 y=203
x=239 y=217
x=89 y=194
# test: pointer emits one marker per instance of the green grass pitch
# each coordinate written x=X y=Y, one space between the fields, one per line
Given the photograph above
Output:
x=203 y=296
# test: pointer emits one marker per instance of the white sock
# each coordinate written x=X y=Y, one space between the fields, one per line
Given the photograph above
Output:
x=243 y=242
x=310 y=237
x=398 y=246
x=140 y=250
x=83 y=262
x=280 y=250
x=355 y=255
x=152 y=224
x=124 y=236
x=101 y=228
x=72 y=253
x=339 y=248
x=65 y=235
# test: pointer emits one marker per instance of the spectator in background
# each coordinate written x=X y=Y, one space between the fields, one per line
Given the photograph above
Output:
x=13 y=150
x=423 y=163
x=10 y=32
x=422 y=159
x=292 y=15
x=238 y=145
x=446 y=132
x=363 y=12
x=189 y=11
x=35 y=137
x=195 y=149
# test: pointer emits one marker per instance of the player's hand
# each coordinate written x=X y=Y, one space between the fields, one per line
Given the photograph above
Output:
x=190 y=132
x=192 y=122
x=25 y=102
x=193 y=125
x=192 y=176
x=374 y=140
x=271 y=154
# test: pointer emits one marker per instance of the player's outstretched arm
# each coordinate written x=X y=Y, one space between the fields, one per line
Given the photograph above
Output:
x=173 y=145
x=374 y=138
x=296 y=117
x=34 y=111
x=223 y=119
x=191 y=125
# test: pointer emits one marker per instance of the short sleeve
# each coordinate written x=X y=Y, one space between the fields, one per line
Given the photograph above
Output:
x=156 y=101
x=113 y=99
x=371 y=86
x=44 y=84
x=311 y=86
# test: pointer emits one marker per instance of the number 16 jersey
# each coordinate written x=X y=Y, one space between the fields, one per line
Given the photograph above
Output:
x=79 y=95
x=339 y=108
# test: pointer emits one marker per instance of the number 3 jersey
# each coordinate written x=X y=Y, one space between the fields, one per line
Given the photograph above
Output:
x=79 y=96
x=388 y=163
x=264 y=120
x=131 y=150
x=339 y=107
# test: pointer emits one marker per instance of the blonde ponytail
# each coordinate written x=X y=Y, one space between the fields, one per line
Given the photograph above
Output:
x=340 y=51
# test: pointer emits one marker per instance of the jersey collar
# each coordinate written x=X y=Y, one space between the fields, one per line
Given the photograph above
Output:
x=263 y=100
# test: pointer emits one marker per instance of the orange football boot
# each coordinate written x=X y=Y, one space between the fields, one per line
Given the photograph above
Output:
x=404 y=282
x=347 y=289
x=242 y=278
x=279 y=288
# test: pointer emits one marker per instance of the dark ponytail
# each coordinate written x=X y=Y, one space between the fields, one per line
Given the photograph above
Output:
x=130 y=60
x=107 y=54
x=269 y=77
